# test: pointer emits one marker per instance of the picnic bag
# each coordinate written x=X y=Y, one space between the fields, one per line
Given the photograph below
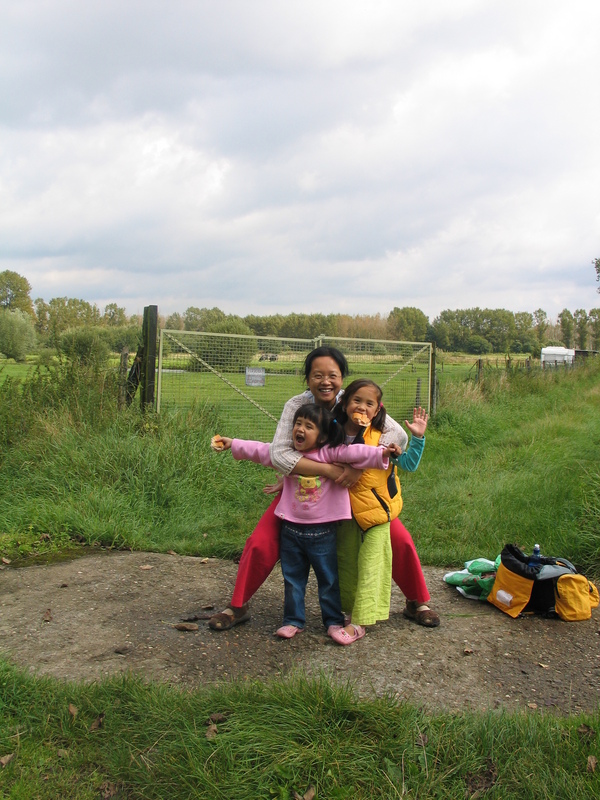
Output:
x=553 y=587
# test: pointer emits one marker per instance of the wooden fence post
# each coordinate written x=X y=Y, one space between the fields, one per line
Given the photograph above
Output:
x=148 y=371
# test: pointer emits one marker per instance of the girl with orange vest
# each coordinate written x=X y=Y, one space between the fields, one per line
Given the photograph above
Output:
x=363 y=543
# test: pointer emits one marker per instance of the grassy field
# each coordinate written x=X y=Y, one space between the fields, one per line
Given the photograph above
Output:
x=513 y=457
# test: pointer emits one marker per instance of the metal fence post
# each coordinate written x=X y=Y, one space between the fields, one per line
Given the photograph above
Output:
x=148 y=371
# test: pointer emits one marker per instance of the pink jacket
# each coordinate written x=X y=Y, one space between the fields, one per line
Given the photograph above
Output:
x=314 y=499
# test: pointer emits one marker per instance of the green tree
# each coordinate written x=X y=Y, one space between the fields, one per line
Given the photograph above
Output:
x=202 y=319
x=541 y=324
x=265 y=326
x=581 y=328
x=174 y=322
x=114 y=316
x=14 y=292
x=567 y=323
x=67 y=312
x=525 y=340
x=407 y=324
x=42 y=317
x=594 y=322
x=523 y=322
x=17 y=334
x=497 y=325
x=596 y=263
x=229 y=355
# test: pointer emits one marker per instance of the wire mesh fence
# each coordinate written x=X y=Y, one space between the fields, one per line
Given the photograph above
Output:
x=248 y=379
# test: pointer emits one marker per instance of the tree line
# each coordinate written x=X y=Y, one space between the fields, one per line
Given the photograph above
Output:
x=63 y=324
x=474 y=330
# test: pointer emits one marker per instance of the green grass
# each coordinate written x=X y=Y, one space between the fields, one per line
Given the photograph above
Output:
x=10 y=369
x=142 y=483
x=273 y=740
x=507 y=459
x=512 y=458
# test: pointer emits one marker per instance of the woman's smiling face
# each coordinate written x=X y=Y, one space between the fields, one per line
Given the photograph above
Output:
x=325 y=381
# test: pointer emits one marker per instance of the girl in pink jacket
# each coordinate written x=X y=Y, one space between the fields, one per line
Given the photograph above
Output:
x=309 y=508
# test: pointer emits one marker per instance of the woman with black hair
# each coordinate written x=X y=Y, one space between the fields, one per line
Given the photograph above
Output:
x=324 y=371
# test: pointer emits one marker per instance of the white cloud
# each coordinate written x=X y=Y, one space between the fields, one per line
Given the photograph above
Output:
x=274 y=157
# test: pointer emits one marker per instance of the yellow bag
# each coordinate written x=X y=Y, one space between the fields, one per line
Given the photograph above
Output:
x=510 y=592
x=575 y=597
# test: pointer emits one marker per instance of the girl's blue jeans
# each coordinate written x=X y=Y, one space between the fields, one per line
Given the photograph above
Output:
x=303 y=547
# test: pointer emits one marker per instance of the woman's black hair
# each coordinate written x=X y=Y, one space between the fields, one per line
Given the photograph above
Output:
x=330 y=431
x=326 y=352
x=378 y=421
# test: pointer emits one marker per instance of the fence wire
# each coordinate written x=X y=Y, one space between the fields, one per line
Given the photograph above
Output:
x=248 y=379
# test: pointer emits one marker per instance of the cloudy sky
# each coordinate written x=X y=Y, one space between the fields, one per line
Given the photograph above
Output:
x=269 y=156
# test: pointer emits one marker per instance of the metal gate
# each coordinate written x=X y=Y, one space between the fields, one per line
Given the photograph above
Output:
x=248 y=379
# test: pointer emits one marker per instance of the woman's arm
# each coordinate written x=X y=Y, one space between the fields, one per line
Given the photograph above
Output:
x=393 y=433
x=307 y=466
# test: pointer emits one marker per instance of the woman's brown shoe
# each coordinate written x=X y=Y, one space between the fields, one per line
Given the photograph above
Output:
x=426 y=617
x=229 y=618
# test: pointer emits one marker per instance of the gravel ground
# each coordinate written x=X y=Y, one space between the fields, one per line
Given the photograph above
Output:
x=107 y=613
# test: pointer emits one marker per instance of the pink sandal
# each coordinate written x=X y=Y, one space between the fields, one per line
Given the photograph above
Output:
x=288 y=631
x=341 y=636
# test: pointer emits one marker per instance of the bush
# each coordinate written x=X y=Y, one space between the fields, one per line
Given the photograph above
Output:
x=128 y=336
x=478 y=345
x=17 y=334
x=47 y=356
x=86 y=346
x=225 y=353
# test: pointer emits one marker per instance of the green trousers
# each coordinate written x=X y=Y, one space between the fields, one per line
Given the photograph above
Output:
x=365 y=569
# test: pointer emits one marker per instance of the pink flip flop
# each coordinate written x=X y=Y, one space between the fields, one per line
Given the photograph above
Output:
x=288 y=631
x=341 y=636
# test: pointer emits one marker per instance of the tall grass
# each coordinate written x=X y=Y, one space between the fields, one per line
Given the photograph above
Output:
x=74 y=468
x=511 y=458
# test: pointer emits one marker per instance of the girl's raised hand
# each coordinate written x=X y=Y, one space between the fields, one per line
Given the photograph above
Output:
x=419 y=423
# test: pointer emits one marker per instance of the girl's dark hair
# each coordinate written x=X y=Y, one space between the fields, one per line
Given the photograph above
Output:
x=326 y=352
x=378 y=421
x=330 y=431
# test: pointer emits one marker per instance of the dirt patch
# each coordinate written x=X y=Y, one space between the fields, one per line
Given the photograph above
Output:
x=109 y=613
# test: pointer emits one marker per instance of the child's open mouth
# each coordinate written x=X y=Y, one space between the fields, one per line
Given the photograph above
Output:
x=299 y=438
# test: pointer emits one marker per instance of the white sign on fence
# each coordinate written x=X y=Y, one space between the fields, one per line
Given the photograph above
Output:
x=255 y=376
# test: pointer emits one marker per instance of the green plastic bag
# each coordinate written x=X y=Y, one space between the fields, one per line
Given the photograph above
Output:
x=475 y=581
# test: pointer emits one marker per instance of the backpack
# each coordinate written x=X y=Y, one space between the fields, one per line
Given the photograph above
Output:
x=552 y=588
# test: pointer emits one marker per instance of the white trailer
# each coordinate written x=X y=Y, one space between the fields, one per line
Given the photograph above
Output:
x=557 y=356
